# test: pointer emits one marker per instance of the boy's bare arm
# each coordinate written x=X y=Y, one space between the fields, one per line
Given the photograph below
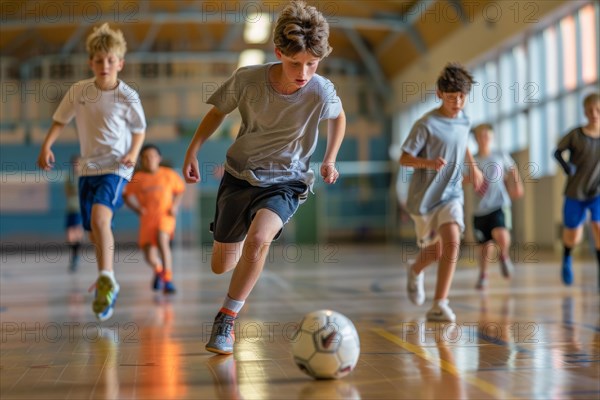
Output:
x=132 y=205
x=46 y=157
x=131 y=157
x=336 y=129
x=513 y=183
x=475 y=174
x=408 y=160
x=211 y=121
x=176 y=203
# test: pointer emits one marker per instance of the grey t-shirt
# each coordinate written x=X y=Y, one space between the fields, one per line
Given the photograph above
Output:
x=432 y=136
x=279 y=132
x=493 y=194
x=585 y=155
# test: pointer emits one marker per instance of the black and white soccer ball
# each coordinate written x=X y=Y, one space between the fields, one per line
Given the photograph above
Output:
x=326 y=345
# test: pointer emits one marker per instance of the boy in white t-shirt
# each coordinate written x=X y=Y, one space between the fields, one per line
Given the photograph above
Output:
x=111 y=126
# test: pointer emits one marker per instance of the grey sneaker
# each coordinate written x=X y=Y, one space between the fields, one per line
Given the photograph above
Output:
x=441 y=312
x=415 y=286
x=222 y=336
x=107 y=291
x=507 y=267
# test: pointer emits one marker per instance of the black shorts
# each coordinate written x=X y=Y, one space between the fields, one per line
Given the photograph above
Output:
x=238 y=202
x=485 y=224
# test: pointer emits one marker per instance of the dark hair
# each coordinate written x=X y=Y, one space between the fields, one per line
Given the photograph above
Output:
x=149 y=146
x=591 y=98
x=455 y=78
x=302 y=28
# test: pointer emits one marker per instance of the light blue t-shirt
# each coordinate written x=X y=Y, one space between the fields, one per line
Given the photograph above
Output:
x=279 y=132
x=492 y=195
x=433 y=136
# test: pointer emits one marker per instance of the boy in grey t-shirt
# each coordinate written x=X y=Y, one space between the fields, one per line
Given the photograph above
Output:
x=436 y=147
x=267 y=171
x=582 y=192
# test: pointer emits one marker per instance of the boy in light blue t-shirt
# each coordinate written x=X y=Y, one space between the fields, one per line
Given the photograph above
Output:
x=501 y=182
x=436 y=148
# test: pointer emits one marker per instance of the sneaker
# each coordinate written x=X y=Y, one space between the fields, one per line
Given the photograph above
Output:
x=441 y=312
x=222 y=336
x=157 y=281
x=107 y=291
x=507 y=267
x=482 y=283
x=567 y=270
x=169 y=288
x=415 y=286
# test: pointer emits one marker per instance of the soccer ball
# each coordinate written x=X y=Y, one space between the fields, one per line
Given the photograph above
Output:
x=326 y=345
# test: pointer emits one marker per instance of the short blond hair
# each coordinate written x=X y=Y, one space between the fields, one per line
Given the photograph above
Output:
x=302 y=28
x=482 y=127
x=106 y=40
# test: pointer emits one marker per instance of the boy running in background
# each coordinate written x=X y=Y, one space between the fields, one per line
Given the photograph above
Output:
x=582 y=192
x=110 y=126
x=501 y=183
x=158 y=192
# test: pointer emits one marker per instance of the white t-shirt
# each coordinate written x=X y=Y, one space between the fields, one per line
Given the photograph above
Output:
x=492 y=195
x=106 y=121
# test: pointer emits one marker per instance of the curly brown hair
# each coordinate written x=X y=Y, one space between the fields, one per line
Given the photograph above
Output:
x=455 y=78
x=302 y=28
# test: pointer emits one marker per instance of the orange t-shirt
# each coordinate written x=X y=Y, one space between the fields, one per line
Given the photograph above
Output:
x=154 y=193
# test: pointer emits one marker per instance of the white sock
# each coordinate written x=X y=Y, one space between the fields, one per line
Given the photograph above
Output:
x=110 y=274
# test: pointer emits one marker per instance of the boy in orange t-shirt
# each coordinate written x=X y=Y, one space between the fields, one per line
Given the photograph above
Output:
x=158 y=191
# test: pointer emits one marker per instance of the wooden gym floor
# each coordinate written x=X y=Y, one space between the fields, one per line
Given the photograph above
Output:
x=531 y=338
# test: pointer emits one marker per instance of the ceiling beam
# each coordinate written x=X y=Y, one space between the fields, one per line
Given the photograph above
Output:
x=460 y=11
x=150 y=36
x=74 y=40
x=382 y=86
x=234 y=33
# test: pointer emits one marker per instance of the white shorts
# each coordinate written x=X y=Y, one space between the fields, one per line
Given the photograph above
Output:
x=427 y=226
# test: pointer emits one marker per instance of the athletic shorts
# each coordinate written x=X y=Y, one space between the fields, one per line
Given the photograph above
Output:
x=574 y=211
x=99 y=189
x=427 y=226
x=484 y=225
x=72 y=219
x=238 y=202
x=151 y=225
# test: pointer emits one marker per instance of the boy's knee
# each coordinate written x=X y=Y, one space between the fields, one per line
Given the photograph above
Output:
x=220 y=266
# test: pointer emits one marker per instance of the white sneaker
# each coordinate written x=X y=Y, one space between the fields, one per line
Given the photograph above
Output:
x=415 y=286
x=441 y=312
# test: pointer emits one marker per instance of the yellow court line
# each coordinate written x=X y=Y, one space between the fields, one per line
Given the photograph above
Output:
x=447 y=366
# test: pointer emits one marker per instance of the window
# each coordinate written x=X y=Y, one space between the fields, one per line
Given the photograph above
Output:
x=589 y=35
x=569 y=49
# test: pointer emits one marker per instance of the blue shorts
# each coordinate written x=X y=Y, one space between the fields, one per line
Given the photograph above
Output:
x=574 y=211
x=73 y=219
x=99 y=189
x=238 y=202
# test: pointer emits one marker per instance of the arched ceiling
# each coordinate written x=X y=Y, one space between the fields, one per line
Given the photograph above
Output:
x=379 y=37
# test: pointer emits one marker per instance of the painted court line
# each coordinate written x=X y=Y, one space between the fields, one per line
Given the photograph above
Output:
x=447 y=366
